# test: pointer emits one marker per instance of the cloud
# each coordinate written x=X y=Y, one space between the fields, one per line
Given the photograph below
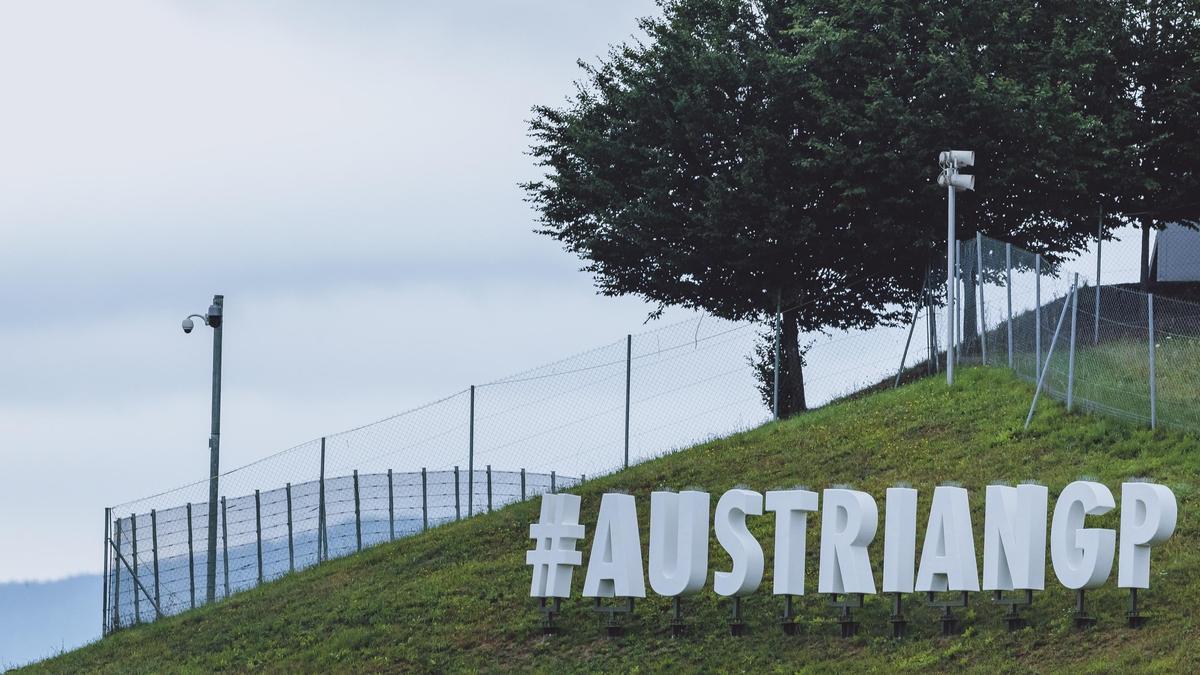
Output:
x=346 y=174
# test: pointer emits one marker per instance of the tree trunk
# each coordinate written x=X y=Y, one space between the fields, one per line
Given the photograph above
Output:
x=1145 y=277
x=791 y=372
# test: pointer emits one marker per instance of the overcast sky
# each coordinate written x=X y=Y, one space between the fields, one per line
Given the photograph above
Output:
x=345 y=173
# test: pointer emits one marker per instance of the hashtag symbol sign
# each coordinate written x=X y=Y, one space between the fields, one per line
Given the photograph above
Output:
x=555 y=536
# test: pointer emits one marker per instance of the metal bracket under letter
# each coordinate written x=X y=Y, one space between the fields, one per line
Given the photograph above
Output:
x=950 y=623
x=1013 y=619
x=613 y=626
x=845 y=620
x=549 y=611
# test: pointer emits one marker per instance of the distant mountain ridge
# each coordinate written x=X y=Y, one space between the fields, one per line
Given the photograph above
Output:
x=43 y=618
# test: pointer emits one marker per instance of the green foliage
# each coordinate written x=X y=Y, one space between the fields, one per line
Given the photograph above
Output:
x=456 y=598
x=752 y=153
x=745 y=149
x=1159 y=51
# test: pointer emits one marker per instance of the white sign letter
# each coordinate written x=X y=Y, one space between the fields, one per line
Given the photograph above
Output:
x=848 y=524
x=615 y=564
x=1082 y=557
x=791 y=509
x=948 y=555
x=678 y=541
x=899 y=540
x=554 y=557
x=1148 y=514
x=730 y=525
x=1014 y=538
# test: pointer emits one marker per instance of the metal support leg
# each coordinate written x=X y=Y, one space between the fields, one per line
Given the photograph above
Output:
x=788 y=621
x=899 y=623
x=737 y=625
x=1083 y=619
x=678 y=627
x=1134 y=615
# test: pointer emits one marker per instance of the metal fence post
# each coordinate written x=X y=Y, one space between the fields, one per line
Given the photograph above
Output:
x=522 y=484
x=553 y=488
x=424 y=500
x=933 y=335
x=1099 y=246
x=904 y=356
x=1046 y=367
x=322 y=549
x=628 y=375
x=1008 y=286
x=1071 y=357
x=258 y=534
x=489 y=487
x=154 y=558
x=1153 y=374
x=137 y=607
x=392 y=506
x=104 y=590
x=133 y=541
x=775 y=387
x=457 y=498
x=225 y=543
x=116 y=609
x=931 y=362
x=471 y=458
x=357 y=515
x=982 y=314
x=191 y=561
x=1037 y=312
x=291 y=541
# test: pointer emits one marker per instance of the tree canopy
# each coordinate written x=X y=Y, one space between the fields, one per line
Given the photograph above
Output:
x=749 y=153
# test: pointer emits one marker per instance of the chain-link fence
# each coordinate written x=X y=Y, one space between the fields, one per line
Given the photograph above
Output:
x=633 y=399
x=160 y=558
x=1108 y=349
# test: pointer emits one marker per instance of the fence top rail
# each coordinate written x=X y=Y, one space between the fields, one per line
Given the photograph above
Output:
x=234 y=504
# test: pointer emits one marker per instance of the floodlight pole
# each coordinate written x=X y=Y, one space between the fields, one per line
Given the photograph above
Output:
x=215 y=320
x=214 y=444
x=950 y=161
x=950 y=246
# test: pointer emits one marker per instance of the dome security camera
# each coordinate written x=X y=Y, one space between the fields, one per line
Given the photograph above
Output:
x=188 y=325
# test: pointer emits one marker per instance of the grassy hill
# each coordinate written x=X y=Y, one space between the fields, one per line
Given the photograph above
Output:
x=455 y=598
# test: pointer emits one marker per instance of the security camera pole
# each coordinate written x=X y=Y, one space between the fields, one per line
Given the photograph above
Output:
x=953 y=181
x=213 y=319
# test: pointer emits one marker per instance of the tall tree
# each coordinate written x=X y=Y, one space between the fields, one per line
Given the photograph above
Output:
x=1159 y=50
x=750 y=154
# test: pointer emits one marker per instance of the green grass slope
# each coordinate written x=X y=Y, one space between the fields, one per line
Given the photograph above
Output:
x=455 y=598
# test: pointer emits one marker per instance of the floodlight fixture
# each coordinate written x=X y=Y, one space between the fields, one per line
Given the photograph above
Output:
x=959 y=181
x=956 y=158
